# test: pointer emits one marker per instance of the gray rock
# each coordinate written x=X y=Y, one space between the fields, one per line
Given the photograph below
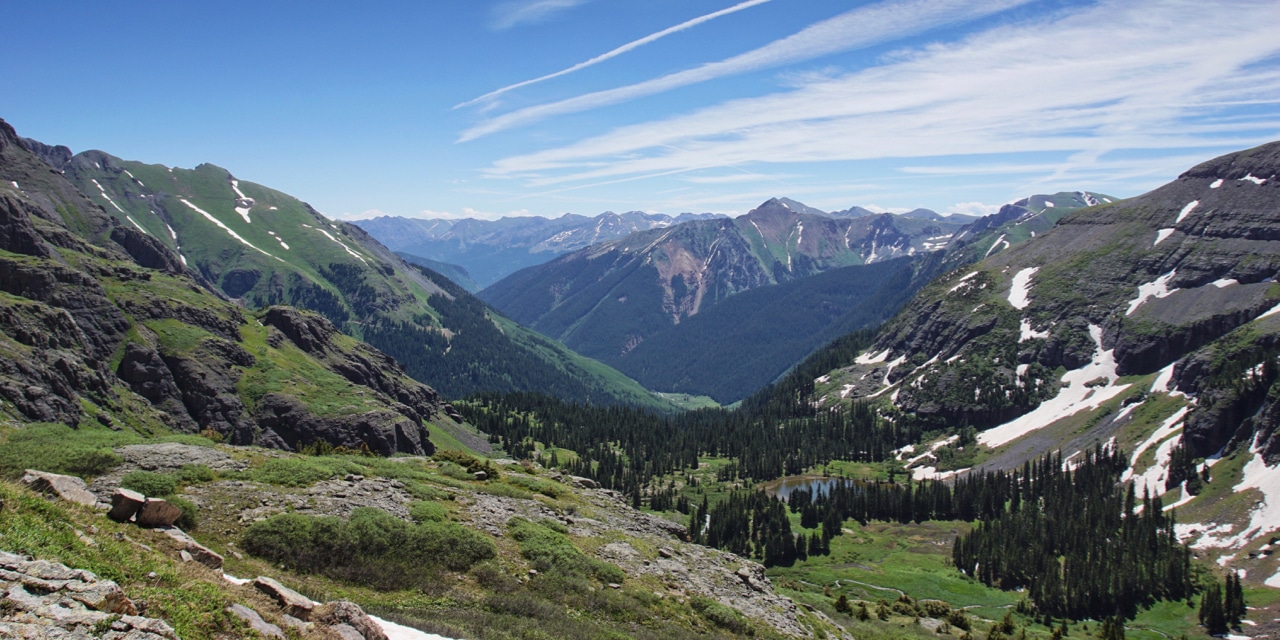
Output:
x=67 y=488
x=255 y=621
x=349 y=614
x=158 y=513
x=293 y=603
x=198 y=552
x=125 y=504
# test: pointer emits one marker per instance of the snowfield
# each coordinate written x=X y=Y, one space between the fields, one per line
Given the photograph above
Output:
x=1071 y=399
x=1158 y=288
x=1020 y=293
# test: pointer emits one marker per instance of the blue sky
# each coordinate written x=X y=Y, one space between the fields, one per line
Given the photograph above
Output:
x=499 y=107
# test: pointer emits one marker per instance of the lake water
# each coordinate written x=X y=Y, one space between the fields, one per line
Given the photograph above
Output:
x=785 y=487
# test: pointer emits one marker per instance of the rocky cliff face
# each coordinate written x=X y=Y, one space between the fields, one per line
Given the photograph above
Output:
x=1179 y=281
x=103 y=321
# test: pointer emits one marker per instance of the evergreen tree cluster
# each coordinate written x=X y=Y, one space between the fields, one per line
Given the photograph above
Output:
x=1222 y=606
x=1078 y=541
x=624 y=448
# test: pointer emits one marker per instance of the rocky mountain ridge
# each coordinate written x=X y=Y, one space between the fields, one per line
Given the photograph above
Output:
x=261 y=248
x=632 y=303
x=1148 y=323
x=104 y=323
x=492 y=249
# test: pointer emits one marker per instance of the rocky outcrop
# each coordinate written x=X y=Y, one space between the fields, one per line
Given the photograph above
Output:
x=69 y=488
x=357 y=362
x=291 y=602
x=42 y=599
x=148 y=376
x=383 y=432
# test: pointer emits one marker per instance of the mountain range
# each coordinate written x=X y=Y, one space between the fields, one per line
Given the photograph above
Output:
x=489 y=250
x=722 y=307
x=261 y=247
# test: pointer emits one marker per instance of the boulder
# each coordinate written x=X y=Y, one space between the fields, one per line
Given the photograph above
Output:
x=125 y=504
x=255 y=621
x=349 y=614
x=158 y=513
x=198 y=552
x=67 y=488
x=584 y=483
x=293 y=603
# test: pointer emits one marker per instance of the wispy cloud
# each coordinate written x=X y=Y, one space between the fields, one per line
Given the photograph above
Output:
x=630 y=46
x=973 y=208
x=1121 y=74
x=515 y=12
x=863 y=27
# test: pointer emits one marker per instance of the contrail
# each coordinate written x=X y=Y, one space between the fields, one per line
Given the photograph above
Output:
x=634 y=44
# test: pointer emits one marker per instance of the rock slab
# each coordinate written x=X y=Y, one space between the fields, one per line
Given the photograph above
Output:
x=69 y=488
x=293 y=603
x=41 y=599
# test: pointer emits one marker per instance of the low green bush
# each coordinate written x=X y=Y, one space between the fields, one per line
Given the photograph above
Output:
x=552 y=551
x=301 y=472
x=150 y=483
x=424 y=511
x=372 y=547
x=721 y=616
x=196 y=474
x=189 y=520
x=545 y=487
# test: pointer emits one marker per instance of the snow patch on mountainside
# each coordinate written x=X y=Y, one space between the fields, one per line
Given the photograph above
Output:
x=224 y=227
x=1186 y=211
x=962 y=281
x=104 y=195
x=1074 y=397
x=1020 y=293
x=1158 y=288
x=1030 y=334
x=1252 y=179
x=1216 y=183
x=867 y=358
x=1152 y=479
x=135 y=223
x=1264 y=518
x=340 y=243
x=1161 y=384
x=996 y=244
x=1163 y=235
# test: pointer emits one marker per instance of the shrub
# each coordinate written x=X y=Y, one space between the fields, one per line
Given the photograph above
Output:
x=552 y=551
x=958 y=619
x=934 y=608
x=301 y=472
x=189 y=519
x=424 y=511
x=196 y=474
x=721 y=616
x=372 y=547
x=149 y=483
x=549 y=489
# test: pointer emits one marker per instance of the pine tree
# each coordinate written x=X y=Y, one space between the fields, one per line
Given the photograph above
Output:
x=1212 y=614
x=843 y=606
x=1112 y=628
x=1234 y=606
